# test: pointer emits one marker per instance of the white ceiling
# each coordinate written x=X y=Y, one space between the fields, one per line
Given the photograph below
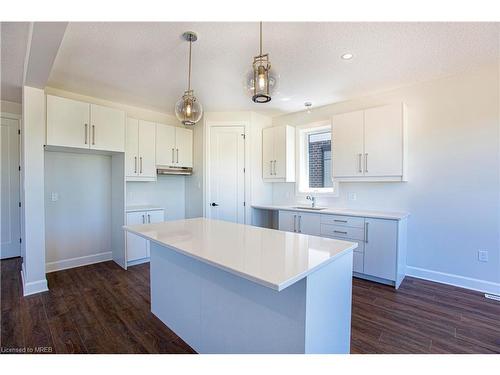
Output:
x=14 y=39
x=145 y=64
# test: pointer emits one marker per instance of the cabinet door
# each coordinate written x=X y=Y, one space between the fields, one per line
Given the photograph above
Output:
x=165 y=145
x=157 y=216
x=107 y=131
x=184 y=147
x=380 y=248
x=347 y=144
x=384 y=141
x=309 y=223
x=137 y=247
x=147 y=145
x=67 y=122
x=280 y=152
x=267 y=152
x=287 y=221
x=131 y=147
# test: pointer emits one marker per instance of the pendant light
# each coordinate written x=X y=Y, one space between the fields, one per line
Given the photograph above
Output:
x=188 y=109
x=262 y=81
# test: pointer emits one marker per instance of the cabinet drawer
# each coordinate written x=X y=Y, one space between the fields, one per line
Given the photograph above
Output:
x=348 y=221
x=357 y=262
x=342 y=232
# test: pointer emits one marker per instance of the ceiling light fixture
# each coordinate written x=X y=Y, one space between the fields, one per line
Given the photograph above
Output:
x=261 y=81
x=188 y=109
x=347 y=56
x=308 y=106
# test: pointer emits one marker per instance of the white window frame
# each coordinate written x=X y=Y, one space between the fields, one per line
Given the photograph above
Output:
x=302 y=161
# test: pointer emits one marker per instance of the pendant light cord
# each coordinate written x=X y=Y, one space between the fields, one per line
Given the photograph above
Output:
x=189 y=74
x=260 y=38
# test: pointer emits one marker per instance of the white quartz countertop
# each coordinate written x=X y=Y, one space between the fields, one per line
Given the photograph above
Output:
x=269 y=257
x=145 y=207
x=340 y=211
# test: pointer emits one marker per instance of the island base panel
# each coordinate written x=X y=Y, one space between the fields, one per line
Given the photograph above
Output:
x=215 y=311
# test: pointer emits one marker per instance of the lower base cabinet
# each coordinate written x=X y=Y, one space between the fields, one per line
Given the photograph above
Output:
x=138 y=247
x=381 y=252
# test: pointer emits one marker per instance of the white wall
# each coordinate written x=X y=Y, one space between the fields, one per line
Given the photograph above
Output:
x=453 y=188
x=10 y=107
x=32 y=196
x=168 y=192
x=78 y=224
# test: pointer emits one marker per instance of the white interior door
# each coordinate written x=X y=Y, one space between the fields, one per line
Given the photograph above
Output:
x=10 y=226
x=347 y=144
x=226 y=196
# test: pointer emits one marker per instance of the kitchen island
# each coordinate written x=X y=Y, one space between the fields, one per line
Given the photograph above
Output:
x=233 y=288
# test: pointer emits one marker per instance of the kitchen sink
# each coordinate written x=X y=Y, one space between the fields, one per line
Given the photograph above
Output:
x=310 y=208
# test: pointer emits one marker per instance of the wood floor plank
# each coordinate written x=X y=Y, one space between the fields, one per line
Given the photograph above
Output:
x=102 y=308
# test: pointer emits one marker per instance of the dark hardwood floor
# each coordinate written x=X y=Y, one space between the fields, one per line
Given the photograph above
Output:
x=104 y=309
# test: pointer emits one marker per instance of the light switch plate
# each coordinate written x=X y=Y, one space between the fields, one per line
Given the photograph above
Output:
x=482 y=255
x=352 y=196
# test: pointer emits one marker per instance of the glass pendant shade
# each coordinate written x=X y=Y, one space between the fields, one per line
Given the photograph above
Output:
x=188 y=109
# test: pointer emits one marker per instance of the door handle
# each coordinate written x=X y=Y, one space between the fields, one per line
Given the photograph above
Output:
x=360 y=170
x=213 y=204
x=339 y=231
x=274 y=167
x=366 y=162
x=140 y=164
x=93 y=134
x=177 y=155
x=172 y=154
x=270 y=167
x=86 y=133
x=135 y=164
x=340 y=221
x=366 y=232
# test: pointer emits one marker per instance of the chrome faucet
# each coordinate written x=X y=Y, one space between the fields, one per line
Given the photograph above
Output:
x=312 y=199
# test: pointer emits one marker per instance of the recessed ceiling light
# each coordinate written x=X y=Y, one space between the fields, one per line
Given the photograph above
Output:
x=347 y=56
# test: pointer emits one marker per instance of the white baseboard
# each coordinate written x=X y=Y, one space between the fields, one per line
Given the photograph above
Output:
x=34 y=286
x=455 y=280
x=77 y=262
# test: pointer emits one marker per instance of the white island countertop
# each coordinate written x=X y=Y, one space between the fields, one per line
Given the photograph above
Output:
x=269 y=257
x=389 y=215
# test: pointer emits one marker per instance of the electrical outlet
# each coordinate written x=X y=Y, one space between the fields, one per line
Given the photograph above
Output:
x=54 y=197
x=482 y=255
x=352 y=196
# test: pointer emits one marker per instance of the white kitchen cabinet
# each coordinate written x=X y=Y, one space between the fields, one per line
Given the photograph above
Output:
x=381 y=245
x=137 y=247
x=68 y=122
x=71 y=123
x=174 y=146
x=140 y=162
x=370 y=145
x=300 y=222
x=278 y=154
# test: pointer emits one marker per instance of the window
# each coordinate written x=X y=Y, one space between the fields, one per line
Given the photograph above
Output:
x=315 y=159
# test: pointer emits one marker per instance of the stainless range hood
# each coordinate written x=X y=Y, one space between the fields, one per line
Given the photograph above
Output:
x=167 y=169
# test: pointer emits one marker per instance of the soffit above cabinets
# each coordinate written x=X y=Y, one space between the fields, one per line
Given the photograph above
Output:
x=144 y=64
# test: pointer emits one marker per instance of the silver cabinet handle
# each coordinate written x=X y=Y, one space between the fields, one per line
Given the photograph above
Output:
x=172 y=155
x=275 y=169
x=270 y=167
x=295 y=223
x=86 y=133
x=143 y=219
x=340 y=221
x=366 y=232
x=149 y=218
x=360 y=170
x=140 y=159
x=93 y=134
x=300 y=224
x=135 y=164
x=366 y=162
x=177 y=155
x=339 y=231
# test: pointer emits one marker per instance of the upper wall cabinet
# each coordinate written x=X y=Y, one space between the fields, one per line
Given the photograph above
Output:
x=174 y=146
x=278 y=154
x=140 y=163
x=370 y=145
x=71 y=123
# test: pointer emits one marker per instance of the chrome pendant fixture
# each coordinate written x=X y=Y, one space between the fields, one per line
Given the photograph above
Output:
x=262 y=81
x=188 y=109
